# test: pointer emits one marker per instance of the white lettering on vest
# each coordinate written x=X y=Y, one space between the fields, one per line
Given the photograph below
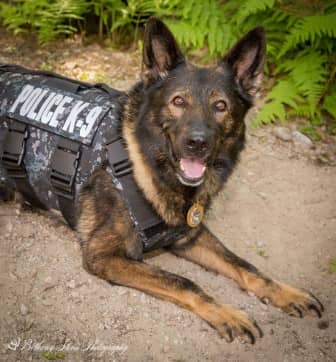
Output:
x=59 y=111
x=46 y=116
x=70 y=122
x=90 y=121
x=26 y=90
x=29 y=101
x=44 y=106
x=56 y=110
x=32 y=113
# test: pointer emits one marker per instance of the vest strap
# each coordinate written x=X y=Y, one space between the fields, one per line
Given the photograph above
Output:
x=154 y=232
x=64 y=167
x=12 y=160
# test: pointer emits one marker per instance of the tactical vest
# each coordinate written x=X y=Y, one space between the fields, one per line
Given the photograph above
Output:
x=55 y=133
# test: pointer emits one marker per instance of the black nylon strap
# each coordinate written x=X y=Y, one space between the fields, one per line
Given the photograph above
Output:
x=12 y=160
x=155 y=233
x=63 y=175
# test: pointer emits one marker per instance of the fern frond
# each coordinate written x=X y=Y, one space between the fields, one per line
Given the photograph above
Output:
x=251 y=7
x=283 y=93
x=329 y=104
x=309 y=74
x=303 y=111
x=202 y=24
x=310 y=28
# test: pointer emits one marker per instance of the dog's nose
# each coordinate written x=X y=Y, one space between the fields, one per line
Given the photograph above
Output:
x=197 y=142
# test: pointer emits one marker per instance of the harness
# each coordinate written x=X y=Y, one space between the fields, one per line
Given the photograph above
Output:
x=55 y=133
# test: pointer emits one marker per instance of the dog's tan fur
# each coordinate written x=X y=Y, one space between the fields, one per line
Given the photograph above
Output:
x=111 y=247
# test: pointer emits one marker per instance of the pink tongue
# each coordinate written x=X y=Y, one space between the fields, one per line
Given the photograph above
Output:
x=192 y=168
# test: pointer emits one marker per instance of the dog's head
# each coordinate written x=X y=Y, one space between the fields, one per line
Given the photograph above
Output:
x=191 y=119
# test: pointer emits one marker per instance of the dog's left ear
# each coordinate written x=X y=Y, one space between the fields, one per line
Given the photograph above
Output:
x=247 y=60
x=160 y=51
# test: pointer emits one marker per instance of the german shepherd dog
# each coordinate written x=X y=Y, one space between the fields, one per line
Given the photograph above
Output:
x=184 y=129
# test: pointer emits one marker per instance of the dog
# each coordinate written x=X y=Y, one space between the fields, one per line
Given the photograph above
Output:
x=184 y=130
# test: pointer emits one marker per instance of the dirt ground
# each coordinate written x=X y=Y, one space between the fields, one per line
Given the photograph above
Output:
x=278 y=211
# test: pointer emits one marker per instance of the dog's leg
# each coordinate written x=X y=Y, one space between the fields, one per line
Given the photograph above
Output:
x=112 y=252
x=228 y=322
x=207 y=251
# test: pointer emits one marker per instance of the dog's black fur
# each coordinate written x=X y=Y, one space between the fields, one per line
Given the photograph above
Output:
x=184 y=129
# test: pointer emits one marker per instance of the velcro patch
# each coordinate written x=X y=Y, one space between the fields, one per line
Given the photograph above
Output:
x=54 y=110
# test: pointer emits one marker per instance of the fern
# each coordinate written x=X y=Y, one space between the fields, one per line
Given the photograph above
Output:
x=310 y=28
x=49 y=19
x=283 y=93
x=198 y=23
x=301 y=42
x=308 y=72
x=251 y=7
x=329 y=104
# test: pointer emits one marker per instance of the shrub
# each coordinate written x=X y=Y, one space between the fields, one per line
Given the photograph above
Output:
x=301 y=38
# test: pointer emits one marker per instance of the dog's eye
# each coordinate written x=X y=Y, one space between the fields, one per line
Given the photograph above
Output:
x=178 y=101
x=220 y=106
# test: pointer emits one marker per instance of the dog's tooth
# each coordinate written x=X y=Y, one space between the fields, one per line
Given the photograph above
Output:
x=181 y=166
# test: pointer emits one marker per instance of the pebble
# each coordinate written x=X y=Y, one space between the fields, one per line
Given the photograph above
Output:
x=283 y=133
x=323 y=324
x=122 y=291
x=47 y=303
x=71 y=284
x=301 y=139
x=24 y=309
x=260 y=244
x=165 y=349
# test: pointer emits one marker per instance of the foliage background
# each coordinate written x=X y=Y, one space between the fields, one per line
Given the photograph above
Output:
x=301 y=37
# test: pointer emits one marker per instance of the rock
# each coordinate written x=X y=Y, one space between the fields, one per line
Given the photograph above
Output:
x=72 y=284
x=301 y=139
x=323 y=324
x=23 y=309
x=47 y=303
x=283 y=133
x=260 y=244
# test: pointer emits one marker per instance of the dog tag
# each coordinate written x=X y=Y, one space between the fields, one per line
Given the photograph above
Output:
x=195 y=215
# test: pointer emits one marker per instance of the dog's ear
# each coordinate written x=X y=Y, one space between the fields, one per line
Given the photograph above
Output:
x=247 y=60
x=160 y=51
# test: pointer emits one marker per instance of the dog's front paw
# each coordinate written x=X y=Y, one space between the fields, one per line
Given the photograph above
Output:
x=295 y=302
x=231 y=323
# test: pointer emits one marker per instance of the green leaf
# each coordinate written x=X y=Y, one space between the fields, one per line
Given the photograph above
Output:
x=52 y=356
x=332 y=266
x=308 y=72
x=283 y=93
x=329 y=104
x=310 y=28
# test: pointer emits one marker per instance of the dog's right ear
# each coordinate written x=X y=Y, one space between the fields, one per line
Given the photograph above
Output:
x=160 y=51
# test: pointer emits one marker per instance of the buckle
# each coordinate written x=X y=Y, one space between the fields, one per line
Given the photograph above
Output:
x=64 y=166
x=122 y=168
x=118 y=158
x=14 y=150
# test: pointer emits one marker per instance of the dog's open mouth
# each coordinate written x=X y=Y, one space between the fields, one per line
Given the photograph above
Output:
x=191 y=171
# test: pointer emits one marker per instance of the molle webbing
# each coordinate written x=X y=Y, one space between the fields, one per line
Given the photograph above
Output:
x=56 y=133
x=12 y=159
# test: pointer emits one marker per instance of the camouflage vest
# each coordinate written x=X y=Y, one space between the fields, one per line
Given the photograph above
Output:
x=55 y=132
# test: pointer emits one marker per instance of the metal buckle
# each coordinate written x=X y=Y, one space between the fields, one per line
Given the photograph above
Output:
x=63 y=168
x=14 y=150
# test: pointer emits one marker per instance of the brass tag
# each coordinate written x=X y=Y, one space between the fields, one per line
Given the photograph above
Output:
x=195 y=215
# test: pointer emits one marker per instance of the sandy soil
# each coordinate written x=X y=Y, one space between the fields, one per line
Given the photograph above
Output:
x=278 y=211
